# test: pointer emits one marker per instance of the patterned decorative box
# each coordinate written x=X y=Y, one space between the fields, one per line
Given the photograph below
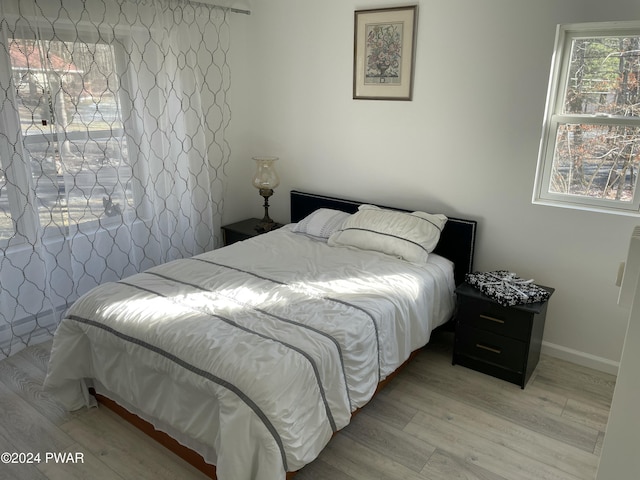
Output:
x=506 y=288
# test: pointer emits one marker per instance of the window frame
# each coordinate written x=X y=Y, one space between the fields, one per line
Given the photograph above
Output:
x=554 y=118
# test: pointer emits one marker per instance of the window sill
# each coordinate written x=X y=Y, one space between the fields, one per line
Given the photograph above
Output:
x=587 y=208
x=53 y=242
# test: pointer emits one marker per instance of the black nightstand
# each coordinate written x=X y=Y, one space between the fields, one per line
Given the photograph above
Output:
x=242 y=230
x=503 y=342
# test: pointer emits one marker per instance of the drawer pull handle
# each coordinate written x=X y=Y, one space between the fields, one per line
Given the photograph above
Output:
x=493 y=319
x=490 y=349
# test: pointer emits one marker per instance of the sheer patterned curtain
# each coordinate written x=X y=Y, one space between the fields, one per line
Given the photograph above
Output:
x=112 y=148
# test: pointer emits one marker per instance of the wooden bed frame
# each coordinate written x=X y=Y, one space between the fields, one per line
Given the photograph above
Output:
x=457 y=243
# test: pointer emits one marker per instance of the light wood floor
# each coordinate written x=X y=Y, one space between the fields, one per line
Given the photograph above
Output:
x=434 y=421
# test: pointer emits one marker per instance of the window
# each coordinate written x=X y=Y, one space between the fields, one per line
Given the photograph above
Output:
x=590 y=148
x=73 y=152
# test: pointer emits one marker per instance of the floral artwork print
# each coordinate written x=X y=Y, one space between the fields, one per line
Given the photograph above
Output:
x=383 y=53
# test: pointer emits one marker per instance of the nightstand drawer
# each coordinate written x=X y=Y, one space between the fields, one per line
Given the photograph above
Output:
x=486 y=346
x=495 y=318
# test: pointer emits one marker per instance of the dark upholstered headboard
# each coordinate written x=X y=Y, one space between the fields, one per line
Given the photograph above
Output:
x=457 y=241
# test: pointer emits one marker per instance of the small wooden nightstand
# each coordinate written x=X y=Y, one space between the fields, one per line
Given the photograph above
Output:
x=242 y=230
x=503 y=342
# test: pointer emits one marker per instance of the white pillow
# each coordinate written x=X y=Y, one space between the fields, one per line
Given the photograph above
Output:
x=408 y=235
x=321 y=223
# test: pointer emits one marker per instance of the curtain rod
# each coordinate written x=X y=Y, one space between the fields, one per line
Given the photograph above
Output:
x=228 y=9
x=233 y=10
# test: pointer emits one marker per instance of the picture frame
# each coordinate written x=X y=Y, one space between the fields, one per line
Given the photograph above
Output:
x=384 y=53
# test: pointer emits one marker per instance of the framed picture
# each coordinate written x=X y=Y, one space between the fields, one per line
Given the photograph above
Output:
x=384 y=51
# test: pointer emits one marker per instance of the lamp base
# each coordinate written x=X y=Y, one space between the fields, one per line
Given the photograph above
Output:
x=266 y=224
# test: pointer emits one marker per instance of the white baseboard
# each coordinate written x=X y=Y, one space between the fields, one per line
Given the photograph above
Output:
x=580 y=358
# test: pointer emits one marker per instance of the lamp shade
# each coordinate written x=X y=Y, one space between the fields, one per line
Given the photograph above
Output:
x=266 y=177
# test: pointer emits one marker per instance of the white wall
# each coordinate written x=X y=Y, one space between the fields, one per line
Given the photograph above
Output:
x=466 y=145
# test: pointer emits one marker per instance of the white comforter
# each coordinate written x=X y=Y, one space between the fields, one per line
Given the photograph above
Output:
x=254 y=354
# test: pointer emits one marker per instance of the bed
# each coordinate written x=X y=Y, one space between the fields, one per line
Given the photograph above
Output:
x=254 y=355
